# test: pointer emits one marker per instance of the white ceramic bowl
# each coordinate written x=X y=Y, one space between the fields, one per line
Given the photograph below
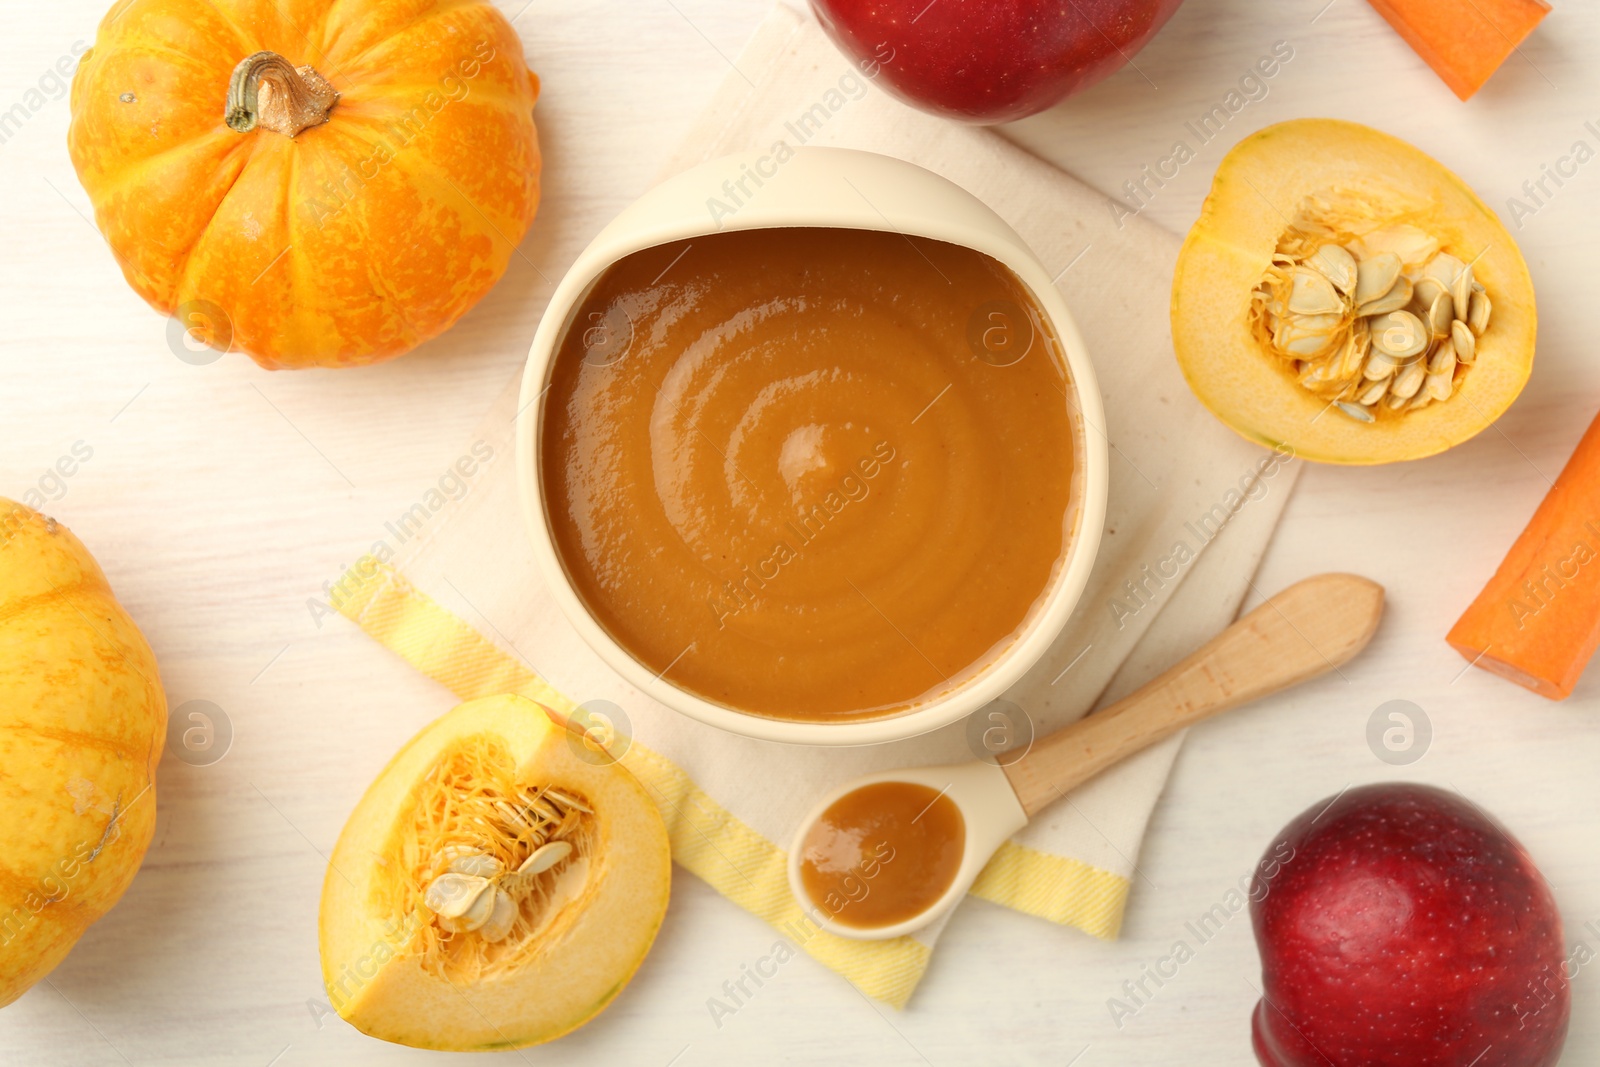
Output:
x=841 y=188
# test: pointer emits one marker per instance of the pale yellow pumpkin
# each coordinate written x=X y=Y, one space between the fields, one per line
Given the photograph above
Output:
x=1324 y=182
x=451 y=805
x=82 y=724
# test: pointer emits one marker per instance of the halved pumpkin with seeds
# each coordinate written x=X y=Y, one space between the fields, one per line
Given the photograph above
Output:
x=1347 y=297
x=496 y=887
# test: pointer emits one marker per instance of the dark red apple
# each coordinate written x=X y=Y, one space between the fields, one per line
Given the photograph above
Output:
x=1399 y=926
x=990 y=60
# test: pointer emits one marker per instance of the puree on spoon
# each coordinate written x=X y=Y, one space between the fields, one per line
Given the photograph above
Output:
x=809 y=473
x=884 y=853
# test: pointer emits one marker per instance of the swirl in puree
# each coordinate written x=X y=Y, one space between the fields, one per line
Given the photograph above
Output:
x=809 y=473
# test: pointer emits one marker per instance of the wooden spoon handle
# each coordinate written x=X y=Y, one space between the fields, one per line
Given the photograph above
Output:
x=1310 y=628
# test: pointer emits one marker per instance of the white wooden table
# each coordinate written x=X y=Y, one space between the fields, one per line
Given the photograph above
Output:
x=220 y=498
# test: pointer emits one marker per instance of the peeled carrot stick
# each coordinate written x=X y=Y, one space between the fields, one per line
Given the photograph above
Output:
x=1537 y=622
x=1464 y=41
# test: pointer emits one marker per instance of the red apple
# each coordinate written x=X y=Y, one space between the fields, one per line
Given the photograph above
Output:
x=990 y=60
x=1399 y=926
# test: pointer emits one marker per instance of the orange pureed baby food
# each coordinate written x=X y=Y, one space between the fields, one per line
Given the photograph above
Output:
x=883 y=854
x=809 y=473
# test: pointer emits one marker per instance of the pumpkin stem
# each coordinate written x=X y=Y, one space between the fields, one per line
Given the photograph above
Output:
x=267 y=91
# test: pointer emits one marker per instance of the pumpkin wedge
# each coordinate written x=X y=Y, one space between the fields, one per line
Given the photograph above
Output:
x=1346 y=298
x=83 y=720
x=314 y=183
x=496 y=887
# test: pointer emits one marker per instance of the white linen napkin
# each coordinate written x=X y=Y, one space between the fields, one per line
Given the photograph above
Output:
x=1192 y=506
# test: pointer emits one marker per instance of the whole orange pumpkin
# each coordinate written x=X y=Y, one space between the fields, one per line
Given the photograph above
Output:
x=311 y=181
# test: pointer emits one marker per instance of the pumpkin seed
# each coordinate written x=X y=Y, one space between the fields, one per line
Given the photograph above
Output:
x=543 y=808
x=1373 y=393
x=1441 y=385
x=1376 y=276
x=1357 y=345
x=477 y=864
x=1444 y=269
x=1380 y=366
x=1336 y=265
x=453 y=895
x=1462 y=290
x=1478 y=312
x=1312 y=293
x=474 y=917
x=501 y=917
x=1440 y=314
x=568 y=802
x=1355 y=411
x=1409 y=380
x=1443 y=358
x=1426 y=290
x=1399 y=334
x=1464 y=342
x=1395 y=299
x=515 y=816
x=542 y=859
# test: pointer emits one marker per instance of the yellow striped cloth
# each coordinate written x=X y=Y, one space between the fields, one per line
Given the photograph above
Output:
x=707 y=840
